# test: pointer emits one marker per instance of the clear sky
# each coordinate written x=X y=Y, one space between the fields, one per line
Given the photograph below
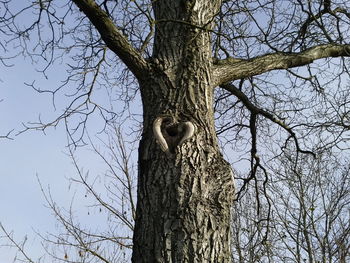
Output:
x=33 y=155
x=29 y=155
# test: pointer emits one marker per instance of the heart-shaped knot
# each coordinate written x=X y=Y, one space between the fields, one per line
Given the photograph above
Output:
x=170 y=134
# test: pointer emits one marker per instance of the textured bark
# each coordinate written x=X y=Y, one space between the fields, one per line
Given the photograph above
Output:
x=184 y=199
x=185 y=196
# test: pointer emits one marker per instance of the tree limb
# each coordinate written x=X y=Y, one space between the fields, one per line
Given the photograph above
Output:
x=232 y=69
x=258 y=111
x=113 y=38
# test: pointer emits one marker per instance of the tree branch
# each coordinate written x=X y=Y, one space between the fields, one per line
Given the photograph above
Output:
x=258 y=111
x=232 y=69
x=113 y=38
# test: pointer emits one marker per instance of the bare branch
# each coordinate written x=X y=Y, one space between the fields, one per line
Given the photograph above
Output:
x=256 y=110
x=232 y=69
x=7 y=136
x=19 y=246
x=113 y=38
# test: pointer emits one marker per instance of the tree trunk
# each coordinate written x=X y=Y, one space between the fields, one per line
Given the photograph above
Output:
x=185 y=187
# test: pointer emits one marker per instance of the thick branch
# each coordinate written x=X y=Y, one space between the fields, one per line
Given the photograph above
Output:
x=232 y=69
x=113 y=38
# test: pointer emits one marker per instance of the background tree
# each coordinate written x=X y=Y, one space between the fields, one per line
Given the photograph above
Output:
x=271 y=74
x=307 y=218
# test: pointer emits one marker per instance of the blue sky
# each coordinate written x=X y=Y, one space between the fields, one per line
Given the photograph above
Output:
x=29 y=155
x=33 y=155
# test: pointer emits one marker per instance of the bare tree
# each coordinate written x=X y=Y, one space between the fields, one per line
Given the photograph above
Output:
x=308 y=216
x=316 y=207
x=77 y=242
x=110 y=198
x=272 y=74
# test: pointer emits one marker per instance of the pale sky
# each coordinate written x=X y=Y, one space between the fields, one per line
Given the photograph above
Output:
x=31 y=155
x=21 y=202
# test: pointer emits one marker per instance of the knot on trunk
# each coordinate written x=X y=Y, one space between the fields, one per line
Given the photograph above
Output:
x=169 y=134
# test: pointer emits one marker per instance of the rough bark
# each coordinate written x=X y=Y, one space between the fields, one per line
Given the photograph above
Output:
x=185 y=193
x=184 y=197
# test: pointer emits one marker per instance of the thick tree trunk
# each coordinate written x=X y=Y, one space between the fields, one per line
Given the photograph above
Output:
x=185 y=188
x=184 y=195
